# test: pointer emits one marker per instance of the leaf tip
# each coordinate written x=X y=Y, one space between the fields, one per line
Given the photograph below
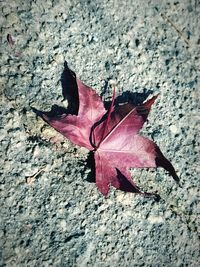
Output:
x=151 y=101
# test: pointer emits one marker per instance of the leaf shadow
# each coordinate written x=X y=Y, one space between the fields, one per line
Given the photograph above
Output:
x=70 y=89
x=127 y=186
x=134 y=98
x=90 y=163
x=70 y=93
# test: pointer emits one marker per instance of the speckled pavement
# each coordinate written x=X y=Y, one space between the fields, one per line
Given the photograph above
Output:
x=50 y=214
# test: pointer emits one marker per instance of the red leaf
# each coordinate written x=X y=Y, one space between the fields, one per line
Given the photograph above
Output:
x=77 y=128
x=111 y=135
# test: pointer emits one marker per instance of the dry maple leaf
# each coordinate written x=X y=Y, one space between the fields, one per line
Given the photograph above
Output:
x=111 y=135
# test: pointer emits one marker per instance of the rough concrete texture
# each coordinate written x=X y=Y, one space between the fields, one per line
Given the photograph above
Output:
x=50 y=214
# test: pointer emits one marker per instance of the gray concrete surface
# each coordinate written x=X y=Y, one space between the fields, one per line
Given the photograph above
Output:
x=50 y=215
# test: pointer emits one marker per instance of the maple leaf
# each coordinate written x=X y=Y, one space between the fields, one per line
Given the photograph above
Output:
x=111 y=135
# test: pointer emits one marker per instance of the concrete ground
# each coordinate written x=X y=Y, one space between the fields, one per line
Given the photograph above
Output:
x=50 y=214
